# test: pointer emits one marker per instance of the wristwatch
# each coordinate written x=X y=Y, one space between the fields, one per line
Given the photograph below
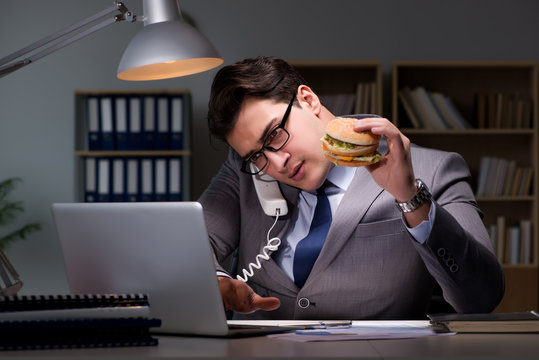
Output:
x=423 y=195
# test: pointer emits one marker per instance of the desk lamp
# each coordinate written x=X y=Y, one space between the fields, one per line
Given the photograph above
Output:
x=166 y=47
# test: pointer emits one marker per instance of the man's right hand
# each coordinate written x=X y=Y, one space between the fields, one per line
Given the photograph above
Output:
x=239 y=297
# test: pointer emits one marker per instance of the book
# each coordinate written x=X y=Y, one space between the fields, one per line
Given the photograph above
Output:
x=514 y=322
x=525 y=241
x=429 y=111
x=406 y=101
x=500 y=241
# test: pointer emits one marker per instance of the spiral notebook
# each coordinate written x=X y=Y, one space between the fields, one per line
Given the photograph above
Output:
x=157 y=248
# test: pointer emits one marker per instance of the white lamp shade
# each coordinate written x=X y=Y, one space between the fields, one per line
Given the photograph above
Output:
x=167 y=49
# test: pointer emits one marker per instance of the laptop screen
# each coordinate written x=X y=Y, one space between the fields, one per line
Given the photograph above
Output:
x=158 y=248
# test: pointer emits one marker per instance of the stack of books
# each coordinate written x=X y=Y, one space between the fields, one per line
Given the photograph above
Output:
x=431 y=110
x=75 y=321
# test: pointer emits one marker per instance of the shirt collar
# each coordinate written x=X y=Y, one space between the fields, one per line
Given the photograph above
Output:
x=341 y=176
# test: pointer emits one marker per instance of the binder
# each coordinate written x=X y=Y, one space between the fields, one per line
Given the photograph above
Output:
x=160 y=179
x=163 y=124
x=176 y=125
x=148 y=129
x=103 y=179
x=57 y=307
x=77 y=333
x=134 y=131
x=118 y=180
x=147 y=178
x=132 y=179
x=175 y=179
x=106 y=123
x=90 y=178
x=120 y=123
x=70 y=301
x=92 y=119
x=73 y=321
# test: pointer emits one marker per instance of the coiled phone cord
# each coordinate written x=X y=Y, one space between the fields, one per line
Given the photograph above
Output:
x=272 y=245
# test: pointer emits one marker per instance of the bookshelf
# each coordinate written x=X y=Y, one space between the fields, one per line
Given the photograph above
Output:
x=498 y=102
x=345 y=87
x=132 y=145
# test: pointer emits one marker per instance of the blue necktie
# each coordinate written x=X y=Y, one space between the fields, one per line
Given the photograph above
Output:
x=309 y=247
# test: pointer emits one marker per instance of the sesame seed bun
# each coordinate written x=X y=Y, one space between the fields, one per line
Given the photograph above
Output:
x=345 y=147
x=343 y=129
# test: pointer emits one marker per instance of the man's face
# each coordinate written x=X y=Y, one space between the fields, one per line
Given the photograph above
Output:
x=300 y=163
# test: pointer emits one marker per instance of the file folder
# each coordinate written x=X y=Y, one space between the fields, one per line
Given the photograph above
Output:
x=160 y=179
x=177 y=118
x=175 y=179
x=107 y=128
x=163 y=124
x=148 y=129
x=120 y=123
x=92 y=115
x=103 y=175
x=118 y=180
x=132 y=179
x=134 y=136
x=90 y=176
x=147 y=173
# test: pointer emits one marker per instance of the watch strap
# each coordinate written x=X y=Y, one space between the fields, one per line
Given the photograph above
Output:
x=423 y=195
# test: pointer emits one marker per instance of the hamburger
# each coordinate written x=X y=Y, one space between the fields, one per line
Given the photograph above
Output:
x=346 y=147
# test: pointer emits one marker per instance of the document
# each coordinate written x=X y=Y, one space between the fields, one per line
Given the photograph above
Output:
x=364 y=330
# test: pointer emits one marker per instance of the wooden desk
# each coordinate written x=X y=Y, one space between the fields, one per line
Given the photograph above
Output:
x=460 y=346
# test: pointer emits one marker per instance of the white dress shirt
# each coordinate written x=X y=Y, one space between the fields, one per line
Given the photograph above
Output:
x=340 y=178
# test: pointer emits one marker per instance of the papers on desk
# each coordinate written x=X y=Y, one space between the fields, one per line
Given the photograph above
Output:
x=359 y=330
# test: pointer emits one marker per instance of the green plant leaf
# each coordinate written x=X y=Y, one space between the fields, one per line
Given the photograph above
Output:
x=9 y=211
x=22 y=233
x=7 y=186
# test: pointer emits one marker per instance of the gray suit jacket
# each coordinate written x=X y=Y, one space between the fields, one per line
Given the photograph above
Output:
x=370 y=267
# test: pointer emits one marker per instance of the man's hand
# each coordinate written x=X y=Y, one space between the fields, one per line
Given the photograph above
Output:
x=239 y=297
x=394 y=171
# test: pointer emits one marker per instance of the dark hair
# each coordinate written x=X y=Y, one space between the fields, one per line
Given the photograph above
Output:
x=261 y=77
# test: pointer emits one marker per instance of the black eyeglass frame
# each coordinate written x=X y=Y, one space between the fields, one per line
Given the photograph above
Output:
x=246 y=162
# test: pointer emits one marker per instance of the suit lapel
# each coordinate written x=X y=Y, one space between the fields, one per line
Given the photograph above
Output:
x=277 y=277
x=357 y=200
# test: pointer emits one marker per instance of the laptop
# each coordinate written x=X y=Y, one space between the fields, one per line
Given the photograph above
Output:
x=157 y=248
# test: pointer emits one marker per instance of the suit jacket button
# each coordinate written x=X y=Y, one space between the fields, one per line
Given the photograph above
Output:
x=441 y=252
x=304 y=303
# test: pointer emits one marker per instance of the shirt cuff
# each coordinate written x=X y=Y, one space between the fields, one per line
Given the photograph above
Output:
x=421 y=232
x=222 y=273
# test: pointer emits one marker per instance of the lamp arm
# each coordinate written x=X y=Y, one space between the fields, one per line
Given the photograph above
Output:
x=125 y=14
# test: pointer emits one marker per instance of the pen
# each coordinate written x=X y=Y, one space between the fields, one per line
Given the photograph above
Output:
x=330 y=324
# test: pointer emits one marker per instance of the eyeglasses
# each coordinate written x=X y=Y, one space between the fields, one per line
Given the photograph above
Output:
x=275 y=141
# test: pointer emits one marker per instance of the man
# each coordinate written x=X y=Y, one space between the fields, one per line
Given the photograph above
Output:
x=377 y=262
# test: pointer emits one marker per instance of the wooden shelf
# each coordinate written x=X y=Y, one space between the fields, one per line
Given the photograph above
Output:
x=342 y=77
x=120 y=153
x=462 y=81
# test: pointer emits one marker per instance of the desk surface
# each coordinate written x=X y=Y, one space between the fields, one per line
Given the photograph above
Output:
x=459 y=346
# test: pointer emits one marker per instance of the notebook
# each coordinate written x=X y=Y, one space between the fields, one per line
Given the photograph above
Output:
x=157 y=248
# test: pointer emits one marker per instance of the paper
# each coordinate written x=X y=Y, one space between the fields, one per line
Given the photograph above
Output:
x=364 y=330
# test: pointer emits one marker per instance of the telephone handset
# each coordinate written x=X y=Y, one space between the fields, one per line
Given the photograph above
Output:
x=269 y=194
x=273 y=204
